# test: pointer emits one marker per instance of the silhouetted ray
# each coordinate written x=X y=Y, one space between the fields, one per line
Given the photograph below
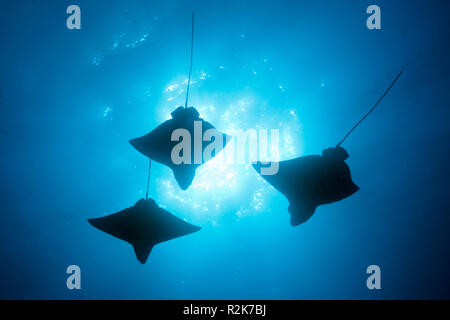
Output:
x=310 y=181
x=143 y=226
x=157 y=144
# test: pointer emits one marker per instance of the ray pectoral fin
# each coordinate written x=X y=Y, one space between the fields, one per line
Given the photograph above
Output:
x=257 y=166
x=98 y=223
x=110 y=225
x=301 y=211
x=92 y=222
x=187 y=229
x=135 y=143
x=266 y=171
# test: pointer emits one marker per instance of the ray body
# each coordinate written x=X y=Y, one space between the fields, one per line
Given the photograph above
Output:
x=143 y=226
x=158 y=146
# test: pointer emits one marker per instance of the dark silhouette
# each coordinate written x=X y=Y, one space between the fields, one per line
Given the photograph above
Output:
x=157 y=144
x=143 y=226
x=310 y=181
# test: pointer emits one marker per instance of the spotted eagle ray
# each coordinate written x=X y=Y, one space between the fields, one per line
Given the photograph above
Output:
x=143 y=226
x=310 y=181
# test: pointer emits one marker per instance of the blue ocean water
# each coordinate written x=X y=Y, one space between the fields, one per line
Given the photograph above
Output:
x=71 y=99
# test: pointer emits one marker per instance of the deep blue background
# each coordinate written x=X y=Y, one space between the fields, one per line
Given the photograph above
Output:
x=70 y=100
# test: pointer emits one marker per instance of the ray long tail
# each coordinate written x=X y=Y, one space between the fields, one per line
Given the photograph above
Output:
x=190 y=69
x=373 y=108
